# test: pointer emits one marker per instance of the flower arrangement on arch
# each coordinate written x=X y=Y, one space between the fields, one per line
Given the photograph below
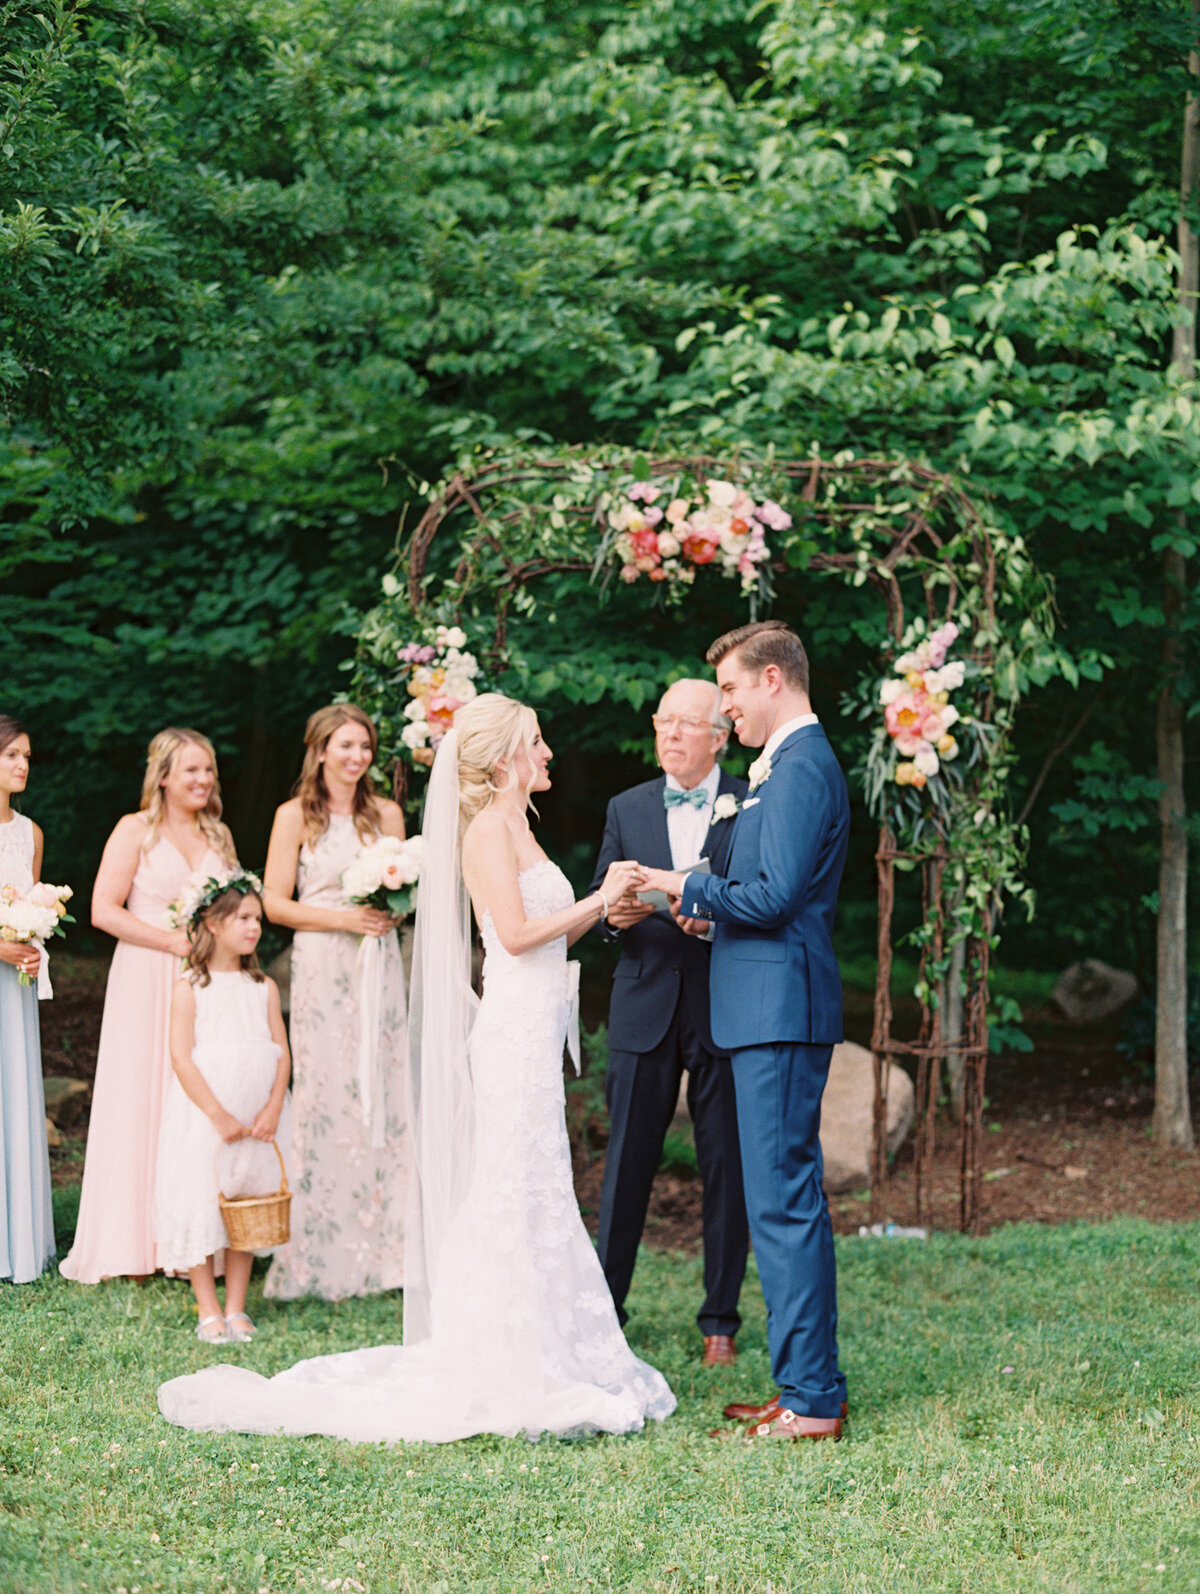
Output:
x=924 y=743
x=918 y=713
x=718 y=523
x=439 y=675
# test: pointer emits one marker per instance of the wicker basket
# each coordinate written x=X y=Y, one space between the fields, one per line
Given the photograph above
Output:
x=256 y=1223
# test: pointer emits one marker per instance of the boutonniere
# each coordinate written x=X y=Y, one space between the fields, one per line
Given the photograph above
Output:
x=760 y=772
x=726 y=806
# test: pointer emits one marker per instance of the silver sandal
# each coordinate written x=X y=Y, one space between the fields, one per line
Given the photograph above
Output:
x=223 y=1338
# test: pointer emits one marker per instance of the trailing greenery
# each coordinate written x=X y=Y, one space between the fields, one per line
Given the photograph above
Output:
x=1023 y=1418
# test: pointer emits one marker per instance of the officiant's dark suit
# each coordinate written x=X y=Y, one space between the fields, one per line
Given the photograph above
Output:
x=659 y=1025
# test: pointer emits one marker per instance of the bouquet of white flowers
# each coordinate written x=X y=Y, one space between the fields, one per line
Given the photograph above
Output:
x=384 y=875
x=36 y=916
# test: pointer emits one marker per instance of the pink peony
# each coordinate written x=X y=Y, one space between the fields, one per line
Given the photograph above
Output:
x=629 y=572
x=772 y=515
x=645 y=545
x=940 y=643
x=646 y=492
x=653 y=516
x=42 y=896
x=677 y=510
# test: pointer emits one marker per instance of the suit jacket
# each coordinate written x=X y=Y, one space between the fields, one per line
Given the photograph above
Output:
x=657 y=958
x=774 y=973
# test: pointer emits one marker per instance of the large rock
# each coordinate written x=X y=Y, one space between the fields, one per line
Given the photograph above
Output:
x=848 y=1116
x=67 y=1100
x=1091 y=991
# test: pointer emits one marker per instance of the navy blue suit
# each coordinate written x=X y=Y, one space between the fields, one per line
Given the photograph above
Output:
x=658 y=1025
x=777 y=1006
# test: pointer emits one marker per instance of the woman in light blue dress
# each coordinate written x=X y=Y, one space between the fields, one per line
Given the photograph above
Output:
x=26 y=1224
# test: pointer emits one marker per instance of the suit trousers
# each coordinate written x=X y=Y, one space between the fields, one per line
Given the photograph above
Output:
x=779 y=1090
x=642 y=1089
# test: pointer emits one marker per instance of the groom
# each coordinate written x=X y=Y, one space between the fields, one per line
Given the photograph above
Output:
x=777 y=1007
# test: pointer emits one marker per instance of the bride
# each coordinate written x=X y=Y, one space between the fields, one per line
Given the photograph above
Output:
x=508 y=1323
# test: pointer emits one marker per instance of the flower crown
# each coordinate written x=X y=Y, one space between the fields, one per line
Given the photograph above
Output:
x=189 y=908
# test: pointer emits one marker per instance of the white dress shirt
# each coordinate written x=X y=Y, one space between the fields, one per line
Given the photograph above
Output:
x=687 y=827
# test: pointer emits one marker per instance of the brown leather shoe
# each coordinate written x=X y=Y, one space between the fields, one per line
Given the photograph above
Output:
x=719 y=1351
x=780 y=1423
x=738 y=1411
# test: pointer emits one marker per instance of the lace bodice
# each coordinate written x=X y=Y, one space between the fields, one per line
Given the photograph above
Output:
x=16 y=853
x=544 y=890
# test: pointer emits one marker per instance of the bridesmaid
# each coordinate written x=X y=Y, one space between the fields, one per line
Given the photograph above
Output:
x=26 y=1223
x=347 y=1173
x=147 y=862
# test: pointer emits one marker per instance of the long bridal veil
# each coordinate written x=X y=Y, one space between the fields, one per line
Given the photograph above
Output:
x=442 y=1009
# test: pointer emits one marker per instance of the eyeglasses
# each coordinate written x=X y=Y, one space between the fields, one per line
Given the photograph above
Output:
x=667 y=722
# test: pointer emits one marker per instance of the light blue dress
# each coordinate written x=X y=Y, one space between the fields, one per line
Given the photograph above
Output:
x=26 y=1222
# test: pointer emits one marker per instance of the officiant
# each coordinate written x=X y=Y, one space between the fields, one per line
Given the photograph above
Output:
x=658 y=1022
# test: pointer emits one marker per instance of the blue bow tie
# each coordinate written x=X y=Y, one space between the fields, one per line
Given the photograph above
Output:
x=672 y=797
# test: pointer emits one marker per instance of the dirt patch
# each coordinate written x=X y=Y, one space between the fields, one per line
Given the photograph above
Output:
x=1067 y=1139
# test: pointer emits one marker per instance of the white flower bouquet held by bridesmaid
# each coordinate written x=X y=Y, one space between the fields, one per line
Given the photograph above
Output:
x=384 y=875
x=33 y=917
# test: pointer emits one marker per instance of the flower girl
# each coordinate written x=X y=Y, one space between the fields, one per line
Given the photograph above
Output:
x=230 y=1058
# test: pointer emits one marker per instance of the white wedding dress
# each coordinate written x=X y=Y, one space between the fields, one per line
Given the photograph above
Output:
x=523 y=1335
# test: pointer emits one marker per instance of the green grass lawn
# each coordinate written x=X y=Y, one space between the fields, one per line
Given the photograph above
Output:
x=1024 y=1417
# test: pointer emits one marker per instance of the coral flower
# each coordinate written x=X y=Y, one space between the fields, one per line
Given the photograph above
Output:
x=700 y=549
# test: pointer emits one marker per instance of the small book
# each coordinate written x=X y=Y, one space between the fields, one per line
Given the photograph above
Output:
x=658 y=899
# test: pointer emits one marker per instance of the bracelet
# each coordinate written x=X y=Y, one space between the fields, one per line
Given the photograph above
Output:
x=603 y=907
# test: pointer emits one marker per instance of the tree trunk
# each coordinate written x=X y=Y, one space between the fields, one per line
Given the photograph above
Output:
x=1172 y=1112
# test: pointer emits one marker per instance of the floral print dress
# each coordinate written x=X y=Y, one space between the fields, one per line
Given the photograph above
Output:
x=349 y=1190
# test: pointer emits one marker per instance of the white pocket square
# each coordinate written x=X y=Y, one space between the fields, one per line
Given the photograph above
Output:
x=750 y=802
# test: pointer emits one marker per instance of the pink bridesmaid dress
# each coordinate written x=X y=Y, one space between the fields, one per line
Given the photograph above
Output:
x=133 y=1065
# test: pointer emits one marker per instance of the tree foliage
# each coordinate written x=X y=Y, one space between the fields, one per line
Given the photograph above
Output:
x=268 y=267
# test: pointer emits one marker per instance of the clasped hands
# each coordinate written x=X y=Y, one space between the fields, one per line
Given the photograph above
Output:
x=629 y=909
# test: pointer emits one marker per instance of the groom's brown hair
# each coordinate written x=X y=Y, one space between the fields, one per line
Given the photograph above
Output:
x=765 y=642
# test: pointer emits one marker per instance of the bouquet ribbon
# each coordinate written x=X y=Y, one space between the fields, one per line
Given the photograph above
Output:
x=371 y=957
x=45 y=989
x=573 y=1014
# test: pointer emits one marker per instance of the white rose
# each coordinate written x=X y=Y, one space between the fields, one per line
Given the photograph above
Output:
x=725 y=806
x=889 y=691
x=722 y=493
x=415 y=709
x=416 y=734
x=668 y=544
x=456 y=637
x=927 y=761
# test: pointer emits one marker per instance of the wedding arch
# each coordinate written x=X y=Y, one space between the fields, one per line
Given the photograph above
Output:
x=513 y=539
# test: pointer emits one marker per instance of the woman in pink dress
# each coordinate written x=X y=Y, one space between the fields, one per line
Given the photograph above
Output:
x=147 y=862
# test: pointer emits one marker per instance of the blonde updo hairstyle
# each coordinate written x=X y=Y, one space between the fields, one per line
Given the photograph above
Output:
x=311 y=788
x=160 y=756
x=492 y=730
x=202 y=943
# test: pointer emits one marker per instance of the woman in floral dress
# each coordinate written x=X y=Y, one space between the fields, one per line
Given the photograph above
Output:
x=349 y=1152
